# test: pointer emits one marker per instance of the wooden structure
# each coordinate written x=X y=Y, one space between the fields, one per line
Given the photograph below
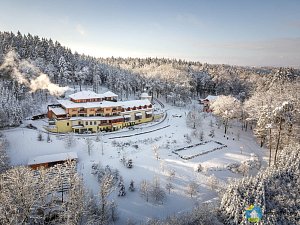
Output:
x=47 y=161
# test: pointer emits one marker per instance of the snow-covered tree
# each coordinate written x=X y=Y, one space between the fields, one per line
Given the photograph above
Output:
x=194 y=117
x=228 y=108
x=131 y=186
x=114 y=215
x=192 y=188
x=33 y=197
x=274 y=190
x=106 y=188
x=122 y=191
x=4 y=159
x=90 y=145
x=212 y=182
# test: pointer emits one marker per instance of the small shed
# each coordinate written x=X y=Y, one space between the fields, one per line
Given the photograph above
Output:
x=51 y=160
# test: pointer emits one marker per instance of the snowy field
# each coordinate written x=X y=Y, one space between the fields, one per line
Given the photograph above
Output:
x=199 y=149
x=165 y=136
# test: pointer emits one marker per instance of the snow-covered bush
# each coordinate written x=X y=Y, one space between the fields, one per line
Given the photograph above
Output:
x=100 y=172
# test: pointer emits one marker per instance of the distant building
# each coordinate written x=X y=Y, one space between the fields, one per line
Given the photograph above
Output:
x=51 y=160
x=145 y=96
x=87 y=111
x=207 y=101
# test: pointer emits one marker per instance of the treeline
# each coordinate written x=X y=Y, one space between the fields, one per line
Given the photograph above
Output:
x=160 y=76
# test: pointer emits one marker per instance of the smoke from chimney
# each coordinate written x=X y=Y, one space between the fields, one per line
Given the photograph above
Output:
x=41 y=80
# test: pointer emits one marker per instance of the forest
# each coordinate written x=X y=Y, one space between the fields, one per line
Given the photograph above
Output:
x=34 y=71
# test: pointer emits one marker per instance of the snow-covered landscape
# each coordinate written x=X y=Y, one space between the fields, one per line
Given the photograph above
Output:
x=154 y=153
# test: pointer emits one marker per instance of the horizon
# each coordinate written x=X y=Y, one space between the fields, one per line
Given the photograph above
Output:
x=250 y=34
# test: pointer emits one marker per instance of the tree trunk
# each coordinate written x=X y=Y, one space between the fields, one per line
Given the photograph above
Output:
x=270 y=148
x=225 y=126
x=261 y=142
x=278 y=140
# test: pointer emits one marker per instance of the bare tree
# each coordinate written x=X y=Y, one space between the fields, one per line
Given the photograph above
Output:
x=171 y=174
x=156 y=192
x=169 y=187
x=192 y=188
x=90 y=145
x=145 y=189
x=70 y=141
x=213 y=182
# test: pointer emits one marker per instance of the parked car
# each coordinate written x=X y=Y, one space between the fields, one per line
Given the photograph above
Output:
x=30 y=126
x=129 y=163
x=176 y=115
x=36 y=117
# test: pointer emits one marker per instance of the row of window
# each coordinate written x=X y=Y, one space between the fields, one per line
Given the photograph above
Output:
x=109 y=121
x=82 y=110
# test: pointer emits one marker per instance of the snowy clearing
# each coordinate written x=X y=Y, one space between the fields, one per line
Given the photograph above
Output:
x=139 y=145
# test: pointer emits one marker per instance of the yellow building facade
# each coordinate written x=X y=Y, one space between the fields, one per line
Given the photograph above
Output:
x=89 y=112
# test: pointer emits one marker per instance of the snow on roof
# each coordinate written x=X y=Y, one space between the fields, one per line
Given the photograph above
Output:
x=211 y=97
x=52 y=158
x=69 y=104
x=57 y=110
x=145 y=95
x=109 y=94
x=85 y=95
x=135 y=103
x=125 y=104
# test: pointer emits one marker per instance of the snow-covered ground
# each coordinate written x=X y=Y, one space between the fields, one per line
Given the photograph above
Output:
x=23 y=145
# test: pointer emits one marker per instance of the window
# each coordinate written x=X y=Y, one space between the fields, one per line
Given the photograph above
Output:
x=86 y=123
x=91 y=123
x=68 y=124
x=95 y=123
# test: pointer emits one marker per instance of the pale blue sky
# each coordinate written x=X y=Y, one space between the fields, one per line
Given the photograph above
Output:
x=242 y=32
